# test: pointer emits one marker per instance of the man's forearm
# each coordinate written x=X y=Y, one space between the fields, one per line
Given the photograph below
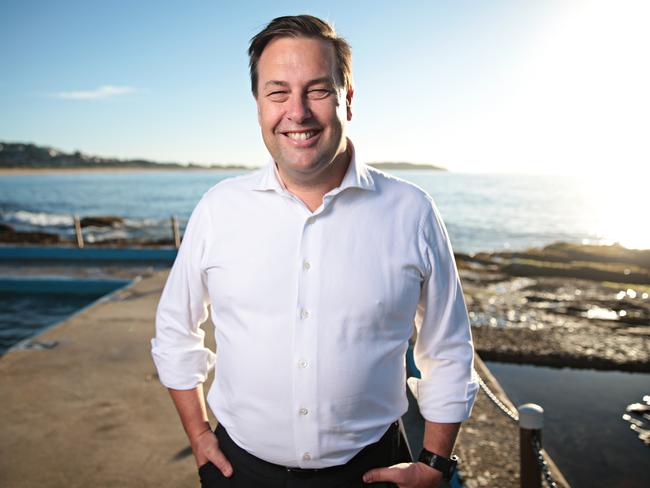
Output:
x=440 y=438
x=190 y=405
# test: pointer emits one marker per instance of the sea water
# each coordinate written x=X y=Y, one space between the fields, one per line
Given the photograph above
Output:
x=483 y=212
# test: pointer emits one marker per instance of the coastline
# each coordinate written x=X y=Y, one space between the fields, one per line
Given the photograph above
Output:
x=564 y=305
x=32 y=171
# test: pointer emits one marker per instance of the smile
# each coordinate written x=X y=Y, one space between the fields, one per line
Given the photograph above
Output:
x=301 y=136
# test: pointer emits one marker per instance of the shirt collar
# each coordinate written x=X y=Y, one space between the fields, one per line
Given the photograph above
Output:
x=356 y=176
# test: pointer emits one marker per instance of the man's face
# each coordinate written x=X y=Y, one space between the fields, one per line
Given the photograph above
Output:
x=301 y=112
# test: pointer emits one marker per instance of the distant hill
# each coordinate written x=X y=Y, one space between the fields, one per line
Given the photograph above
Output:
x=400 y=165
x=16 y=155
x=24 y=156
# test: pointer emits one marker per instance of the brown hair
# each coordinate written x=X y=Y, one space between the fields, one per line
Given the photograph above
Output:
x=302 y=26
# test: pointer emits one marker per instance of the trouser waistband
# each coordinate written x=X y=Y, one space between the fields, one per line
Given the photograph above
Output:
x=380 y=450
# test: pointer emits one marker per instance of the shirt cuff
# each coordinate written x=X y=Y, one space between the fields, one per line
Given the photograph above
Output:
x=182 y=369
x=441 y=402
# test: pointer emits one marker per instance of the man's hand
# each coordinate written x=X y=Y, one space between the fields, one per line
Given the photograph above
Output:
x=406 y=475
x=206 y=448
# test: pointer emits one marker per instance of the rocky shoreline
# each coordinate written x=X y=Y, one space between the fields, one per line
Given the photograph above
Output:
x=564 y=305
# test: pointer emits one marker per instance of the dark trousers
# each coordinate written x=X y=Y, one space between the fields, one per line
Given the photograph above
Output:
x=252 y=472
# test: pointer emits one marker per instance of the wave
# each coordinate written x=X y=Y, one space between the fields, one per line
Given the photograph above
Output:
x=63 y=225
x=45 y=219
x=36 y=219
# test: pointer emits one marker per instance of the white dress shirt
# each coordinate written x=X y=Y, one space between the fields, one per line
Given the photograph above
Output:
x=313 y=313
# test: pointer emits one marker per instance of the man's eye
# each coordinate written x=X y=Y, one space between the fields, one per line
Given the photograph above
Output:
x=277 y=95
x=318 y=93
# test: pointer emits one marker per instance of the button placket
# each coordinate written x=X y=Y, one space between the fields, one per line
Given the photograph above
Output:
x=306 y=428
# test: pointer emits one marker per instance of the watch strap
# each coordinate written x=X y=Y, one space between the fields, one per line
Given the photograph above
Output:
x=447 y=466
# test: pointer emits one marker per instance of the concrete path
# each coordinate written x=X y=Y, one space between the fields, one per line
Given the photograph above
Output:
x=90 y=411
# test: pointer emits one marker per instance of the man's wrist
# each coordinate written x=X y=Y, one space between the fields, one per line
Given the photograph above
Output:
x=445 y=465
x=199 y=430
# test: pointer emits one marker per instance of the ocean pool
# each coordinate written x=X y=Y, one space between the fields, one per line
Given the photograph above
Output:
x=583 y=427
x=29 y=306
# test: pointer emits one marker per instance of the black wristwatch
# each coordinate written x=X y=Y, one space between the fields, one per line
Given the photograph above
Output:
x=447 y=466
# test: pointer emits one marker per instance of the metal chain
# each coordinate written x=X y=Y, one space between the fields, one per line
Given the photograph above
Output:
x=546 y=470
x=514 y=416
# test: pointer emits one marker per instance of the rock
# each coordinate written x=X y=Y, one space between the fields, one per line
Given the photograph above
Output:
x=30 y=238
x=102 y=221
x=593 y=271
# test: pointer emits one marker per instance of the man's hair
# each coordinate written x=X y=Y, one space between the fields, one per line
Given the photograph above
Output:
x=302 y=26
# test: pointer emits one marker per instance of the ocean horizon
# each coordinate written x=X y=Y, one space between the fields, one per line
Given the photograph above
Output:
x=482 y=212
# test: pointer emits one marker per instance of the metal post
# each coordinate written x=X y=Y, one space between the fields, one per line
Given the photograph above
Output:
x=77 y=231
x=531 y=421
x=177 y=236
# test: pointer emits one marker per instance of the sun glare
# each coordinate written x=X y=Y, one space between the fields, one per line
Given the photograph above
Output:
x=620 y=210
x=576 y=99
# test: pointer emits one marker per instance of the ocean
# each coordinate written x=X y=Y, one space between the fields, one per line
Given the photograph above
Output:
x=483 y=212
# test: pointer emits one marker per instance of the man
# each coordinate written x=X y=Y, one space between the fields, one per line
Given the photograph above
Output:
x=315 y=267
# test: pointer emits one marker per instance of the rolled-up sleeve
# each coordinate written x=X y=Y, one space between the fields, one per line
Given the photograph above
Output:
x=178 y=349
x=443 y=350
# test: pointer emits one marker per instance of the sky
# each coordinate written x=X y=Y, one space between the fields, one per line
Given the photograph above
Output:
x=494 y=86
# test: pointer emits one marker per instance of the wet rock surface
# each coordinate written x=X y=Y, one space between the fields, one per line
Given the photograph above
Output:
x=9 y=235
x=102 y=221
x=557 y=319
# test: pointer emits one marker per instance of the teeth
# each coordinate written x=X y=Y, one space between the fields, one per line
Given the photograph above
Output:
x=300 y=136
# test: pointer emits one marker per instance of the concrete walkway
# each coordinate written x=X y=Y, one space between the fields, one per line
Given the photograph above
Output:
x=90 y=411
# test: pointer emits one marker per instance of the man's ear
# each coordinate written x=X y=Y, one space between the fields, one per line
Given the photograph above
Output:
x=348 y=102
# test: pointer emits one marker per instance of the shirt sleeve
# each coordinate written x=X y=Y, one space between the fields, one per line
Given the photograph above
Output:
x=443 y=350
x=178 y=349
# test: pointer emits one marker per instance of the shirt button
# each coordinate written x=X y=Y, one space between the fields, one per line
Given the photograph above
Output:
x=304 y=314
x=306 y=456
x=302 y=364
x=306 y=265
x=303 y=411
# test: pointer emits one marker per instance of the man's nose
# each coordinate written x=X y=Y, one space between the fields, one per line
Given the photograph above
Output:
x=298 y=109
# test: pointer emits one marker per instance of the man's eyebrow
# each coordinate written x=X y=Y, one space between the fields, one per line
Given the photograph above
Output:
x=325 y=79
x=275 y=83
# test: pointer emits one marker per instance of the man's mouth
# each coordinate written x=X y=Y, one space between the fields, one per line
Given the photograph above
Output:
x=301 y=135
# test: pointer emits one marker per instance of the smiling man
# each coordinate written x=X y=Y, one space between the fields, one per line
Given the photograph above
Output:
x=317 y=268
